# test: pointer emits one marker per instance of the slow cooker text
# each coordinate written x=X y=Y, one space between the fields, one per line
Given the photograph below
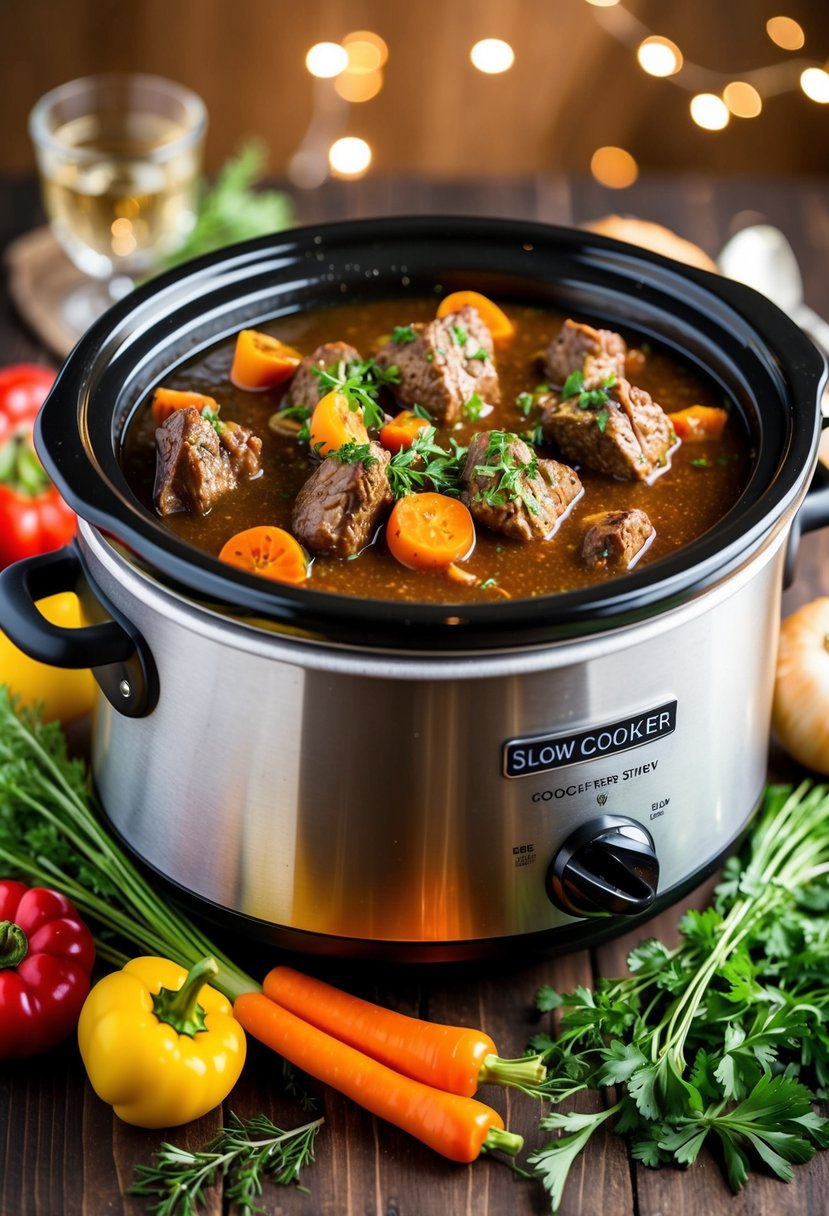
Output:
x=523 y=757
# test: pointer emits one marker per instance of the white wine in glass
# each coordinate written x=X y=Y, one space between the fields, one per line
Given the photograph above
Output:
x=120 y=160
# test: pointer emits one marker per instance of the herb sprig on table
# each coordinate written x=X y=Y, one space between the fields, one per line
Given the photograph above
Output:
x=243 y=1154
x=722 y=1039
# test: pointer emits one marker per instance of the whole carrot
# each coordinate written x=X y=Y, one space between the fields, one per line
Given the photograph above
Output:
x=455 y=1058
x=457 y=1127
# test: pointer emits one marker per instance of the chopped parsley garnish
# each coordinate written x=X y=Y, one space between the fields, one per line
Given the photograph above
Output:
x=401 y=334
x=509 y=475
x=426 y=465
x=535 y=436
x=459 y=335
x=481 y=354
x=352 y=452
x=488 y=582
x=420 y=411
x=212 y=416
x=587 y=399
x=473 y=407
x=525 y=402
x=360 y=383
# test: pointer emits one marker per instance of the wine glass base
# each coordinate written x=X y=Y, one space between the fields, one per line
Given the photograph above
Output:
x=84 y=304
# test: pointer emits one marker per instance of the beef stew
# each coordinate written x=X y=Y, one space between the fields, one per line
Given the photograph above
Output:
x=512 y=404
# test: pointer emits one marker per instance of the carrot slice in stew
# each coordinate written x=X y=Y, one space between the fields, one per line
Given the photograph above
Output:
x=261 y=361
x=334 y=423
x=167 y=400
x=495 y=319
x=430 y=531
x=699 y=422
x=401 y=430
x=269 y=552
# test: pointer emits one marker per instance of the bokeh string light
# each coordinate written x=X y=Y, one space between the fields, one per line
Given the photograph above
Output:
x=717 y=95
x=345 y=73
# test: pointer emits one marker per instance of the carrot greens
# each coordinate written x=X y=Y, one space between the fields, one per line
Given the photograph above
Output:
x=52 y=834
x=723 y=1038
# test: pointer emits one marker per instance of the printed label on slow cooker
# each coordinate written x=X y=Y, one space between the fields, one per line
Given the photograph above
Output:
x=527 y=757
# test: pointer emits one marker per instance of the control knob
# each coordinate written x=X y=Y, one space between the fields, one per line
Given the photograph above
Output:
x=608 y=866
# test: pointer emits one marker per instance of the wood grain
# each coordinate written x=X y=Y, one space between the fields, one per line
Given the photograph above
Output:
x=63 y=1152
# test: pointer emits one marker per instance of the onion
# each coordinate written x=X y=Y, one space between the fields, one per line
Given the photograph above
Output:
x=800 y=714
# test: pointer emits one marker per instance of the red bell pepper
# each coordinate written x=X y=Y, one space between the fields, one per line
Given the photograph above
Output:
x=46 y=959
x=33 y=516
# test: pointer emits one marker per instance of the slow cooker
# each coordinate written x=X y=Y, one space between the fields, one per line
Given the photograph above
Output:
x=421 y=781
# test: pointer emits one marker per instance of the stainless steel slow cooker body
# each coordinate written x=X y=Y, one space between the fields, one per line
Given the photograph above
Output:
x=422 y=781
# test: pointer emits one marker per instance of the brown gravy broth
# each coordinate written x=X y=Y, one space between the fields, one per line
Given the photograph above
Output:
x=704 y=480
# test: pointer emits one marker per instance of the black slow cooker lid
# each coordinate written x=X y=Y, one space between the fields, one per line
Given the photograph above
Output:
x=763 y=361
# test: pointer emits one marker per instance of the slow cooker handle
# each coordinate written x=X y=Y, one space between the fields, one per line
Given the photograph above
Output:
x=112 y=648
x=813 y=514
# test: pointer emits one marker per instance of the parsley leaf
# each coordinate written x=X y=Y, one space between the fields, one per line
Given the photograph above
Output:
x=508 y=474
x=360 y=383
x=424 y=464
x=744 y=997
x=352 y=452
x=473 y=407
x=403 y=334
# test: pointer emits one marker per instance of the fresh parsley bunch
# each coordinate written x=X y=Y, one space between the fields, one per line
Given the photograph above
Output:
x=235 y=208
x=723 y=1038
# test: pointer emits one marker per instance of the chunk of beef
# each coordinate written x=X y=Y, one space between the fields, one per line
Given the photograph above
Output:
x=598 y=354
x=626 y=435
x=442 y=363
x=615 y=538
x=340 y=506
x=523 y=497
x=197 y=463
x=306 y=386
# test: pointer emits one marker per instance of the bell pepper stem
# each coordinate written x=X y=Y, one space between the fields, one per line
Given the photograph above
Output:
x=20 y=468
x=14 y=945
x=180 y=1007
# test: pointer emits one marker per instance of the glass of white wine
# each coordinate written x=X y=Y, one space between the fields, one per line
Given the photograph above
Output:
x=119 y=157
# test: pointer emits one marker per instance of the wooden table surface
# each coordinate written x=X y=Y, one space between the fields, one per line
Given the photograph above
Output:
x=63 y=1151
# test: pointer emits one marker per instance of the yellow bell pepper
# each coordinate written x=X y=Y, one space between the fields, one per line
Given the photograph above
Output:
x=159 y=1045
x=66 y=693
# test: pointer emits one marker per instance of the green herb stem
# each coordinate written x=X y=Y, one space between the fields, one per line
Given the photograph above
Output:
x=722 y=1034
x=51 y=833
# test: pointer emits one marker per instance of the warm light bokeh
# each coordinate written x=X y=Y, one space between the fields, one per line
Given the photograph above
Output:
x=492 y=55
x=614 y=167
x=359 y=86
x=659 y=56
x=742 y=99
x=349 y=156
x=815 y=84
x=326 y=59
x=709 y=111
x=366 y=50
x=785 y=32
